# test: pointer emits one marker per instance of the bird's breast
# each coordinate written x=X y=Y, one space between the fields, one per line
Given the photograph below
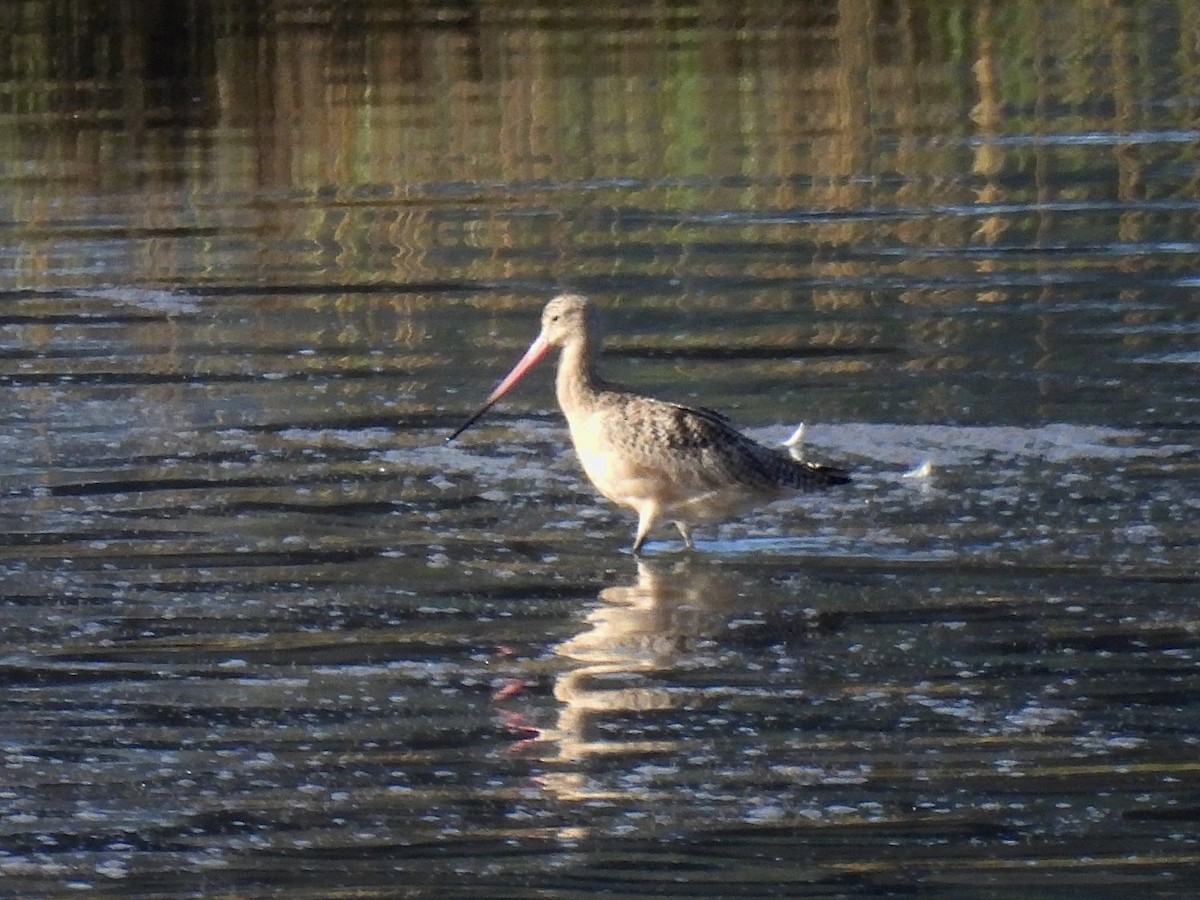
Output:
x=627 y=468
x=614 y=473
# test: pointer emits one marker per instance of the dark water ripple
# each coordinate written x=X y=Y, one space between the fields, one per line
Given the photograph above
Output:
x=274 y=652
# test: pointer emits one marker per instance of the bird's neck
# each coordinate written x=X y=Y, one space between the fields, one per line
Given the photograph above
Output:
x=577 y=383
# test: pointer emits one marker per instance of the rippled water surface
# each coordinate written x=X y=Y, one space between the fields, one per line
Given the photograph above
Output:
x=264 y=633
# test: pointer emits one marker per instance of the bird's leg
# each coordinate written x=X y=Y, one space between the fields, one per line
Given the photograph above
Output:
x=646 y=516
x=636 y=549
x=687 y=534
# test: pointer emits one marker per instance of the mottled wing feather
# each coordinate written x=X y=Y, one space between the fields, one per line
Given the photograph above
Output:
x=700 y=449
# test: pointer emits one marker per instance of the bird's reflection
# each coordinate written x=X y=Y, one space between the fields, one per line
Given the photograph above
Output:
x=625 y=666
x=652 y=691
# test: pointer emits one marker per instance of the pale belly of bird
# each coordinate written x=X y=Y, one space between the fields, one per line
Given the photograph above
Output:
x=678 y=485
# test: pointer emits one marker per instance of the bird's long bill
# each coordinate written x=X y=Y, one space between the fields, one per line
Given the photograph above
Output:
x=537 y=350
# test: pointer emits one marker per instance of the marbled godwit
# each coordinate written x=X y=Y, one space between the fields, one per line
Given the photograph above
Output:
x=684 y=464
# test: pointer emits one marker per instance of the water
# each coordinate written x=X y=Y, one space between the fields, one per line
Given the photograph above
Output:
x=265 y=634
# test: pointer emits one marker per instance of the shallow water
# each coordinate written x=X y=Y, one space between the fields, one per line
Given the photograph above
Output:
x=264 y=633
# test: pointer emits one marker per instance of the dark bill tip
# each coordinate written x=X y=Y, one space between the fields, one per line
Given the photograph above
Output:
x=471 y=421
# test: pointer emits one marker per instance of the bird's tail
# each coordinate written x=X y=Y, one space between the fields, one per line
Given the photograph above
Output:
x=826 y=475
x=808 y=475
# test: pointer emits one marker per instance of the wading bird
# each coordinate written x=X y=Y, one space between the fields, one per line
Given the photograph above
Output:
x=665 y=461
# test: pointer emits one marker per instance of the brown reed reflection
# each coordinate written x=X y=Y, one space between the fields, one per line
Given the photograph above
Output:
x=347 y=138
